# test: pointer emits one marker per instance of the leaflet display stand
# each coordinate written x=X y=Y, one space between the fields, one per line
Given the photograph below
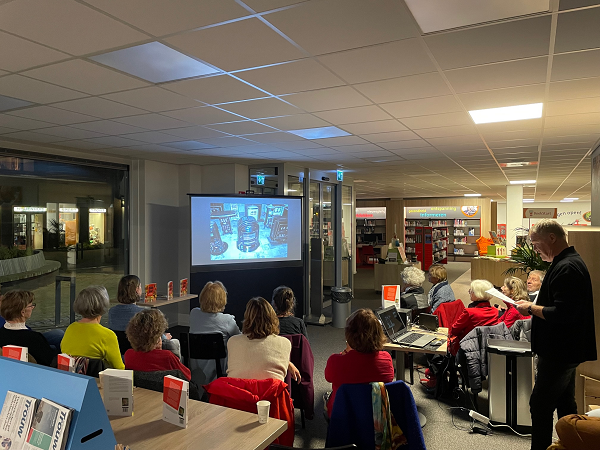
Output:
x=90 y=427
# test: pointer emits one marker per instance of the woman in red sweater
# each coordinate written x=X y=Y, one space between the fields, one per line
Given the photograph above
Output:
x=144 y=332
x=516 y=289
x=363 y=360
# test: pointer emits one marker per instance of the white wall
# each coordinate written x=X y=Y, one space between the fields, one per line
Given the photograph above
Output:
x=567 y=213
x=224 y=178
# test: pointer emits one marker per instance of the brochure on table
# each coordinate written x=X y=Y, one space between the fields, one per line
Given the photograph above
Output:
x=390 y=295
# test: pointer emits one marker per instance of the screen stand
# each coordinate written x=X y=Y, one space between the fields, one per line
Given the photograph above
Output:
x=316 y=316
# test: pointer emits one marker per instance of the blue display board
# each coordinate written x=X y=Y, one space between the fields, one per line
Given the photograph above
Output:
x=90 y=427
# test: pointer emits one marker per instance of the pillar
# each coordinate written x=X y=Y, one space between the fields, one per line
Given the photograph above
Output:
x=514 y=214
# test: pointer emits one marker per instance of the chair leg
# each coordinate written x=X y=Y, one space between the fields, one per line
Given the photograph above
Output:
x=302 y=418
x=218 y=367
x=185 y=348
x=411 y=367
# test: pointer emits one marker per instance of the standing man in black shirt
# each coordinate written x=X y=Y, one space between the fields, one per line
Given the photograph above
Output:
x=562 y=332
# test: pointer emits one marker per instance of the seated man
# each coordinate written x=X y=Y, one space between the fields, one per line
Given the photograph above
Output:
x=534 y=283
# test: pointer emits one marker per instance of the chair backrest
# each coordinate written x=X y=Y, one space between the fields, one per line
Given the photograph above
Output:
x=207 y=346
x=124 y=343
x=154 y=381
x=368 y=250
x=449 y=312
x=302 y=357
x=351 y=420
x=89 y=366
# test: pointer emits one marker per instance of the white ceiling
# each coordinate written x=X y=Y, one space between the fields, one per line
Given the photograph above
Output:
x=284 y=65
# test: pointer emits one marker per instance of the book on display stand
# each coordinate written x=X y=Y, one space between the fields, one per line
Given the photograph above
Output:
x=15 y=420
x=176 y=394
x=16 y=352
x=151 y=293
x=170 y=290
x=183 y=287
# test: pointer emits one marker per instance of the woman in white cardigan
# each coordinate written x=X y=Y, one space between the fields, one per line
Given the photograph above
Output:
x=259 y=353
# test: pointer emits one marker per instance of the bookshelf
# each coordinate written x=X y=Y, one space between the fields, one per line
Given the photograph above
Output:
x=427 y=241
x=463 y=234
x=370 y=231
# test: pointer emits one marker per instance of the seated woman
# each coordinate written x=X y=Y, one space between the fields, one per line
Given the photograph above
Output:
x=87 y=337
x=209 y=318
x=284 y=303
x=516 y=289
x=479 y=313
x=144 y=332
x=16 y=307
x=363 y=360
x=259 y=353
x=128 y=293
x=413 y=296
x=440 y=292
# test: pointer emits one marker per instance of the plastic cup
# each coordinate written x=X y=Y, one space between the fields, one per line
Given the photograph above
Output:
x=263 y=407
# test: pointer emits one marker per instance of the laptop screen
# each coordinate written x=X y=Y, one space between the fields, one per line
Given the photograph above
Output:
x=390 y=320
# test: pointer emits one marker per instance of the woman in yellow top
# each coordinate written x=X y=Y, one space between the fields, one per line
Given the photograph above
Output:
x=87 y=337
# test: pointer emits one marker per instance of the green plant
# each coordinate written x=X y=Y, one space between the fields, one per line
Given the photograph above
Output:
x=527 y=259
x=14 y=252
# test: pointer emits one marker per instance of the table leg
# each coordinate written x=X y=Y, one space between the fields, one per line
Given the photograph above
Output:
x=400 y=375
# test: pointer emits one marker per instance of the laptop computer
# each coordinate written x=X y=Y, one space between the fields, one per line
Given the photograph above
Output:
x=396 y=331
x=428 y=321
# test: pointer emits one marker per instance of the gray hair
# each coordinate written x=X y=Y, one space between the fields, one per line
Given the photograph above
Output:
x=92 y=302
x=548 y=226
x=412 y=276
x=479 y=287
x=540 y=273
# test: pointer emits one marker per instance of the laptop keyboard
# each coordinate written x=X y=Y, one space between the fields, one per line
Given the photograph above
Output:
x=410 y=339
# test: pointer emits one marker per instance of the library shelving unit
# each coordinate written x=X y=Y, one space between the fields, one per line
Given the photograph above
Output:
x=427 y=240
x=463 y=234
x=371 y=232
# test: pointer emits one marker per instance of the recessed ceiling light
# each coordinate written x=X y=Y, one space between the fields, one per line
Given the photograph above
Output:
x=154 y=62
x=472 y=195
x=522 y=182
x=507 y=113
x=8 y=103
x=570 y=199
x=528 y=200
x=320 y=133
x=566 y=201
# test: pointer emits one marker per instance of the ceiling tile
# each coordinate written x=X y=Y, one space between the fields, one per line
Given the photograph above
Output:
x=85 y=77
x=324 y=27
x=203 y=115
x=573 y=120
x=359 y=148
x=326 y=99
x=33 y=136
x=522 y=95
x=399 y=145
x=577 y=106
x=108 y=127
x=571 y=4
x=266 y=107
x=447 y=131
x=151 y=137
x=577 y=30
x=565 y=90
x=66 y=25
x=340 y=141
x=188 y=145
x=274 y=138
x=194 y=133
x=153 y=122
x=423 y=107
x=296 y=122
x=353 y=115
x=227 y=141
x=571 y=66
x=493 y=43
x=390 y=137
x=19 y=54
x=153 y=99
x=35 y=91
x=21 y=123
x=391 y=60
x=70 y=132
x=99 y=107
x=162 y=17
x=298 y=76
x=437 y=120
x=80 y=145
x=52 y=115
x=298 y=145
x=9 y=103
x=217 y=89
x=381 y=126
x=237 y=45
x=267 y=5
x=501 y=75
x=242 y=127
x=114 y=141
x=405 y=88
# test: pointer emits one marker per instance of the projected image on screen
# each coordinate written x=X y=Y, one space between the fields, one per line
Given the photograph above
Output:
x=248 y=231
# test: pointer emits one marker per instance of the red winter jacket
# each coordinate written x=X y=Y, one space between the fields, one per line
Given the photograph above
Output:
x=478 y=314
x=242 y=394
x=511 y=315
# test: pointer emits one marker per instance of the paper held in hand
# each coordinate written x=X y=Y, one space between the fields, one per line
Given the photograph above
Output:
x=496 y=293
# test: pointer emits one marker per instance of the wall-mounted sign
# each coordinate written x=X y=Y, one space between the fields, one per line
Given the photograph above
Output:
x=539 y=213
x=373 y=212
x=340 y=175
x=98 y=210
x=29 y=209
x=68 y=210
x=260 y=179
x=443 y=212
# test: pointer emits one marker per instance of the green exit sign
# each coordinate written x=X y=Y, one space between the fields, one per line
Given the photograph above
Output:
x=260 y=179
x=340 y=175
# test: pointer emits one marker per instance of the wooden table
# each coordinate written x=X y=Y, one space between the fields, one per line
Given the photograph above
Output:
x=210 y=427
x=177 y=310
x=400 y=350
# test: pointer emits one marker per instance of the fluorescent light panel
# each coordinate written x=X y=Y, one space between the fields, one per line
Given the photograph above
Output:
x=507 y=113
x=154 y=62
x=522 y=182
x=320 y=133
x=528 y=200
x=472 y=195
x=571 y=199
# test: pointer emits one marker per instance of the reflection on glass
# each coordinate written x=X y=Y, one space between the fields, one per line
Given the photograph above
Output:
x=346 y=221
x=328 y=222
